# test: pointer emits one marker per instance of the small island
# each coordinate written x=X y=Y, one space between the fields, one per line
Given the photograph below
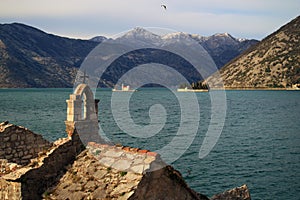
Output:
x=199 y=86
x=123 y=89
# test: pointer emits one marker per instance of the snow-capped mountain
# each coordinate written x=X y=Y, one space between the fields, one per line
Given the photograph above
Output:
x=98 y=39
x=141 y=34
x=222 y=47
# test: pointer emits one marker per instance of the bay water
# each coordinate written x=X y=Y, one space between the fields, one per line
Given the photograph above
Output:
x=259 y=145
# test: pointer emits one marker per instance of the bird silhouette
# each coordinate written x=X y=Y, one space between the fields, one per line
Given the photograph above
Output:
x=164 y=6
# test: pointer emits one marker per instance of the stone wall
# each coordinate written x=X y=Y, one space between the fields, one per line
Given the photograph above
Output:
x=19 y=145
x=32 y=180
x=116 y=172
x=88 y=179
x=119 y=173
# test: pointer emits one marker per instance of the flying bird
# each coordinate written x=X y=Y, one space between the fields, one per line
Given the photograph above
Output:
x=164 y=6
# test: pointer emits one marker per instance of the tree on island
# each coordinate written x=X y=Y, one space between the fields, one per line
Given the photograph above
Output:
x=200 y=85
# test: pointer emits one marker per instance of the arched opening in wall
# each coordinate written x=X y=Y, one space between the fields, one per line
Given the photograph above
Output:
x=83 y=107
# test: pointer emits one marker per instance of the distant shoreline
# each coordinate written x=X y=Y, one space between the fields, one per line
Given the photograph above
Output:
x=179 y=90
x=191 y=90
x=252 y=88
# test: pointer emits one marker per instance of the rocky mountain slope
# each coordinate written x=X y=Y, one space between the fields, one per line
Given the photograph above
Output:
x=272 y=63
x=30 y=57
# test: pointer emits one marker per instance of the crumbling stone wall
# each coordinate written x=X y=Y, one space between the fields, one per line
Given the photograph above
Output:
x=123 y=173
x=120 y=172
x=19 y=145
x=50 y=167
x=32 y=180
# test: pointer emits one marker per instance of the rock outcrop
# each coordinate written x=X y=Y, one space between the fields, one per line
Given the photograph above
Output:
x=238 y=193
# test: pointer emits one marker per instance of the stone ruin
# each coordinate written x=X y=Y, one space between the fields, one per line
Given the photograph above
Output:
x=82 y=114
x=83 y=166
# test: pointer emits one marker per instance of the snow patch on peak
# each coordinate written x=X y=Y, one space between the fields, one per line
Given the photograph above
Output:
x=222 y=35
x=139 y=32
x=241 y=39
x=176 y=35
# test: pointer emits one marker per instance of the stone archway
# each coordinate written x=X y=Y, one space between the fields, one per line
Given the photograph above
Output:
x=82 y=115
x=86 y=101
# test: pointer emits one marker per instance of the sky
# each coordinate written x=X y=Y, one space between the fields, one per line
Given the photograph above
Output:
x=251 y=19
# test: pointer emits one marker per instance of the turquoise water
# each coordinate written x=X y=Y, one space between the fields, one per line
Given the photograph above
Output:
x=259 y=144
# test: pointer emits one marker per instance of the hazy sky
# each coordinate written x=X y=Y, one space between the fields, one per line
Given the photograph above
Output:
x=88 y=18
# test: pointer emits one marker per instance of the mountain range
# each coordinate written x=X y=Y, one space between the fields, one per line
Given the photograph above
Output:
x=30 y=57
x=272 y=63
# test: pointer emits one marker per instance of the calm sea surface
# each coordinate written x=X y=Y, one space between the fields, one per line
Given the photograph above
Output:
x=259 y=144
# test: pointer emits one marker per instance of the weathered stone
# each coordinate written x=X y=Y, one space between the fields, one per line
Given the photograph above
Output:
x=148 y=167
x=90 y=186
x=9 y=157
x=149 y=159
x=122 y=165
x=27 y=157
x=107 y=161
x=131 y=176
x=112 y=153
x=122 y=188
x=138 y=161
x=13 y=137
x=126 y=196
x=99 y=193
x=77 y=195
x=130 y=156
x=25 y=147
x=8 y=151
x=99 y=174
x=20 y=154
x=139 y=169
x=65 y=184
